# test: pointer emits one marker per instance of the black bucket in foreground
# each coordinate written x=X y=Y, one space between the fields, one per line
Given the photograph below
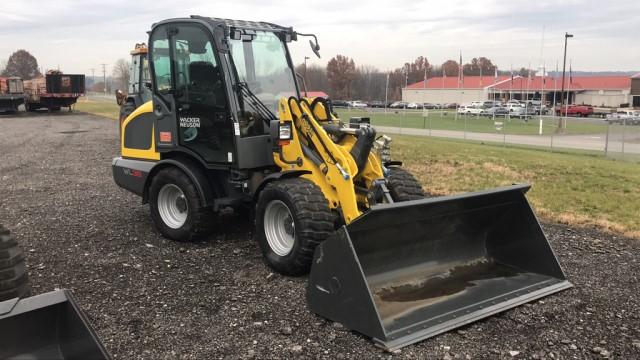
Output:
x=407 y=271
x=47 y=326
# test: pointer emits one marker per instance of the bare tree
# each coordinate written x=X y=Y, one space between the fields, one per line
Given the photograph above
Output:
x=121 y=74
x=341 y=71
x=316 y=79
x=451 y=68
x=479 y=65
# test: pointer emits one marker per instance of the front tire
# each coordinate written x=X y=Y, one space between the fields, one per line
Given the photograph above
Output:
x=176 y=207
x=292 y=218
x=403 y=186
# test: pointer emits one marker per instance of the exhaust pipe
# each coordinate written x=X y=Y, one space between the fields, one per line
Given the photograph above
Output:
x=407 y=271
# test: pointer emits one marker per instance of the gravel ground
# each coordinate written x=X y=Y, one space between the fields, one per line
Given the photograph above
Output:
x=150 y=298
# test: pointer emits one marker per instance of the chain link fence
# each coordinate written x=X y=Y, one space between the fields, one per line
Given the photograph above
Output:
x=583 y=134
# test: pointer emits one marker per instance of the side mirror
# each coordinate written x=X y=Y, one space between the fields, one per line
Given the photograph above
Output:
x=120 y=96
x=315 y=48
x=314 y=44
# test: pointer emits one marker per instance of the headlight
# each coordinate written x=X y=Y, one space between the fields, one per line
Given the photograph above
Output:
x=285 y=131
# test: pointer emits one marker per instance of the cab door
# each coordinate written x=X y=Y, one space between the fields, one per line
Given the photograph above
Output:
x=190 y=102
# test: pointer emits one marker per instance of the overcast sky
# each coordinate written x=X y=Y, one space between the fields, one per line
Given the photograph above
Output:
x=80 y=35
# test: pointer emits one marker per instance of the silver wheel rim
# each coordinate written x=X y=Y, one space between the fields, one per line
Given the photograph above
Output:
x=279 y=228
x=172 y=206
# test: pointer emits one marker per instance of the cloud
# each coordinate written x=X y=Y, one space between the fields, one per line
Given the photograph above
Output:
x=79 y=35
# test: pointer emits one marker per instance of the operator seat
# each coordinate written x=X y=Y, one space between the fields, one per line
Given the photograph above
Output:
x=206 y=81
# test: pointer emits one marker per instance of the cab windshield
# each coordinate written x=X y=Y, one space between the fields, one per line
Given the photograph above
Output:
x=260 y=61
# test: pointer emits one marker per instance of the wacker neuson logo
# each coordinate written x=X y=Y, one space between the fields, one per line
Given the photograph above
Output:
x=189 y=122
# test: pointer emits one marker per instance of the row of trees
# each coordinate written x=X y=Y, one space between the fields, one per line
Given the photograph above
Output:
x=343 y=79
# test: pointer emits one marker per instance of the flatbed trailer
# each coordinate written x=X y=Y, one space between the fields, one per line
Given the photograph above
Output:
x=54 y=91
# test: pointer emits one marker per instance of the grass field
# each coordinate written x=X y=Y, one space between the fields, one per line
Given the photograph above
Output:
x=578 y=188
x=99 y=106
x=437 y=121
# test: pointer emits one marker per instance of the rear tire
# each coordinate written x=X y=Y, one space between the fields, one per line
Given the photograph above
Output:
x=176 y=207
x=14 y=281
x=403 y=186
x=292 y=218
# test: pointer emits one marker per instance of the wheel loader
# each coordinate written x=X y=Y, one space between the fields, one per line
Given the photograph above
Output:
x=138 y=92
x=227 y=128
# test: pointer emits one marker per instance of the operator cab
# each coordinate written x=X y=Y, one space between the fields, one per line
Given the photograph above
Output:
x=217 y=85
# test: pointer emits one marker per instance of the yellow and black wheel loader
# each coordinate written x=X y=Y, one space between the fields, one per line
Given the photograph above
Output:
x=227 y=128
x=138 y=91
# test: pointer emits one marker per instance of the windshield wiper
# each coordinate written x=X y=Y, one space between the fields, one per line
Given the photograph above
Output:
x=255 y=102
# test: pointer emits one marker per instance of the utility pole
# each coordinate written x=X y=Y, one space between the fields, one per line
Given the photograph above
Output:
x=93 y=76
x=562 y=122
x=305 y=73
x=386 y=94
x=104 y=77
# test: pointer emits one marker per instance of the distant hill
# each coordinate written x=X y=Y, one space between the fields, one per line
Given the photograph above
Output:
x=596 y=73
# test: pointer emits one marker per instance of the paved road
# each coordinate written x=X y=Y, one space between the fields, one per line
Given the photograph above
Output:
x=583 y=142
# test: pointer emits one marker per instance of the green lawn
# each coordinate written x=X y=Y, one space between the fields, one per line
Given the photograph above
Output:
x=437 y=121
x=99 y=106
x=575 y=187
x=578 y=189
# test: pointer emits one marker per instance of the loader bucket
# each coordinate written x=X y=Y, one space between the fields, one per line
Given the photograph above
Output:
x=408 y=271
x=47 y=326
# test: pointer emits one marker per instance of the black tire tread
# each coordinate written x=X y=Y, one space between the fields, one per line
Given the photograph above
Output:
x=203 y=222
x=14 y=279
x=403 y=186
x=315 y=220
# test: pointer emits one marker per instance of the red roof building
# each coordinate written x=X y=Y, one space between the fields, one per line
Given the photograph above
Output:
x=452 y=82
x=610 y=91
x=314 y=94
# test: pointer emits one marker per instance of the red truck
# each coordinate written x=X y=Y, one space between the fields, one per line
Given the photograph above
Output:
x=575 y=110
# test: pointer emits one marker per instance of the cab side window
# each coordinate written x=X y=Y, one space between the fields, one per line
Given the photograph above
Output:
x=161 y=62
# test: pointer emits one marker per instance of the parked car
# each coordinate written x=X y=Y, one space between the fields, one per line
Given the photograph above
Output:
x=495 y=111
x=462 y=109
x=469 y=110
x=491 y=103
x=339 y=103
x=414 y=106
x=357 y=104
x=624 y=116
x=522 y=112
x=376 y=104
x=477 y=104
x=428 y=106
x=450 y=106
x=575 y=110
x=398 y=105
x=511 y=105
